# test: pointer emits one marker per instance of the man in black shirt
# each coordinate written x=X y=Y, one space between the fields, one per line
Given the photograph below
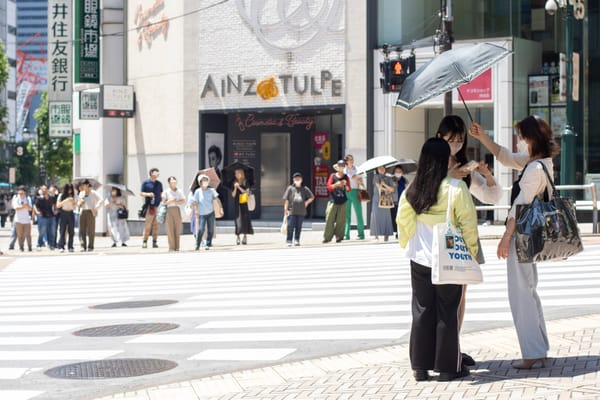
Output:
x=44 y=209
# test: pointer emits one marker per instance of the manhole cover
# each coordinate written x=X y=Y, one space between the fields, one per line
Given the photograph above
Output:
x=134 y=304
x=107 y=369
x=125 y=329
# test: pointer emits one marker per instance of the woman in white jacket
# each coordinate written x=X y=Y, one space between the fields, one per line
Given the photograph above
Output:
x=536 y=150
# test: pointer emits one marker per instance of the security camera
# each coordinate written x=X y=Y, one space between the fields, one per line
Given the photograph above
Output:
x=551 y=7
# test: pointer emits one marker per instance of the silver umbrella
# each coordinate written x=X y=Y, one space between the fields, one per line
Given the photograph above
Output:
x=373 y=163
x=447 y=71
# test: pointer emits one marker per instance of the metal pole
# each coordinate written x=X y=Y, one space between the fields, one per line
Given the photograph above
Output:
x=446 y=44
x=39 y=151
x=568 y=137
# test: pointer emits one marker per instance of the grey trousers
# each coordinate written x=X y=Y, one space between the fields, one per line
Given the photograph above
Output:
x=526 y=306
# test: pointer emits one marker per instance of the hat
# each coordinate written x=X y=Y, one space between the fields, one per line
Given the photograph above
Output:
x=297 y=175
x=201 y=177
x=341 y=162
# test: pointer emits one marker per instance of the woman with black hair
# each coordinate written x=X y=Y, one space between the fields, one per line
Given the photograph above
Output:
x=478 y=177
x=434 y=337
x=66 y=203
x=536 y=149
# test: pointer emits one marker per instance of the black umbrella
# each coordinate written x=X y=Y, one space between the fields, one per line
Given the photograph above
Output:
x=447 y=71
x=228 y=174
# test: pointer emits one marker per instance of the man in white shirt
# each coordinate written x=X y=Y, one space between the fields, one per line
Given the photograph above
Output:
x=89 y=202
x=22 y=206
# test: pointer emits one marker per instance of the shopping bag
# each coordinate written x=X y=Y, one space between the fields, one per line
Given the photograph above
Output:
x=452 y=262
x=251 y=202
x=161 y=215
x=547 y=230
x=283 y=228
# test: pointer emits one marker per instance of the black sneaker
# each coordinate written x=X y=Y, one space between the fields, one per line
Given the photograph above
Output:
x=421 y=375
x=450 y=376
x=155 y=245
x=467 y=360
x=114 y=245
x=124 y=245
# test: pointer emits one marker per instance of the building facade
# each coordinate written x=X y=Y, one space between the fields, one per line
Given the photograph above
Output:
x=8 y=30
x=536 y=39
x=280 y=90
x=31 y=56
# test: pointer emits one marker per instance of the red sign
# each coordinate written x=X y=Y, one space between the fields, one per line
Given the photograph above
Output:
x=479 y=89
x=319 y=139
x=320 y=176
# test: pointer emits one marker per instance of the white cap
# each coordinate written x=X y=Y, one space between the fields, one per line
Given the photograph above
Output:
x=200 y=177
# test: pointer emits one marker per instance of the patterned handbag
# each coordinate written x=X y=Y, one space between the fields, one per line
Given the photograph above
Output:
x=547 y=230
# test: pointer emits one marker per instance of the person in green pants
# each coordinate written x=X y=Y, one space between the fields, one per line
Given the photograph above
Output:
x=338 y=185
x=353 y=201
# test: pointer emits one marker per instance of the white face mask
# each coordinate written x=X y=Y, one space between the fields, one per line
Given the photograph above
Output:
x=204 y=184
x=398 y=174
x=455 y=147
x=523 y=147
x=298 y=183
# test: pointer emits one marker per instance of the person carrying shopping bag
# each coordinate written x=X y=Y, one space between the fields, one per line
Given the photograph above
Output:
x=434 y=336
x=296 y=198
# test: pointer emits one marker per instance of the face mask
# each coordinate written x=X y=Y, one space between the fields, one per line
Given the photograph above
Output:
x=298 y=183
x=398 y=174
x=204 y=184
x=455 y=147
x=523 y=147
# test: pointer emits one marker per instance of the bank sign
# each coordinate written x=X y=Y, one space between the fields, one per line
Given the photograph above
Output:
x=272 y=54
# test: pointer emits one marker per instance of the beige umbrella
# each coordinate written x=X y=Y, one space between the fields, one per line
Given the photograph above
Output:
x=212 y=175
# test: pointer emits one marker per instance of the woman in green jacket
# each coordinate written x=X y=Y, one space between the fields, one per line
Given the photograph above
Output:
x=434 y=337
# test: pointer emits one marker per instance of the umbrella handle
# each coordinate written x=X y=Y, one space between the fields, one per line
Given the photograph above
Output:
x=465 y=104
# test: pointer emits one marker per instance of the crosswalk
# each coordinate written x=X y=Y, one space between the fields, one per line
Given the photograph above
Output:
x=235 y=309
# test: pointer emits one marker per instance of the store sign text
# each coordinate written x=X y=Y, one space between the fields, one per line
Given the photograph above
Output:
x=248 y=121
x=301 y=85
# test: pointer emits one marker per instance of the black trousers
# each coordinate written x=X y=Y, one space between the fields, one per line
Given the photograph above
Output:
x=434 y=333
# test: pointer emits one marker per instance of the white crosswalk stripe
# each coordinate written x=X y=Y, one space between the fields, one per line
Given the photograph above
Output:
x=238 y=307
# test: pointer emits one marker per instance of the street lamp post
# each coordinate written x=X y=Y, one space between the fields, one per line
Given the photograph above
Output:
x=568 y=135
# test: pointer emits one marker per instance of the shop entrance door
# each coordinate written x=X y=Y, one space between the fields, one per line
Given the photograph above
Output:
x=274 y=171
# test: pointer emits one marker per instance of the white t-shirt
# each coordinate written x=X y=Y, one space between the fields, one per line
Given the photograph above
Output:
x=21 y=215
x=174 y=194
x=352 y=172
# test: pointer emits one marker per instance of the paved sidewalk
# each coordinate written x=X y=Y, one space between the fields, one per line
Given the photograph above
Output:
x=572 y=371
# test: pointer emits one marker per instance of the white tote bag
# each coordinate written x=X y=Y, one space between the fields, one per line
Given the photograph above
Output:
x=452 y=261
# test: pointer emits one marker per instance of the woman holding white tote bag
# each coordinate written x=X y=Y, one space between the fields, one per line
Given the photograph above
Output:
x=434 y=338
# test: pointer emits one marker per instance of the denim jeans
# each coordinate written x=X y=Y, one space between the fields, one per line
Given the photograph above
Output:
x=47 y=230
x=294 y=227
x=206 y=222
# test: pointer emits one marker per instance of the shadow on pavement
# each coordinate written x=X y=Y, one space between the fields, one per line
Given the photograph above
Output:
x=559 y=367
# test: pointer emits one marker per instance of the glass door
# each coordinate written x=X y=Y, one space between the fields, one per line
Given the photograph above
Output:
x=275 y=168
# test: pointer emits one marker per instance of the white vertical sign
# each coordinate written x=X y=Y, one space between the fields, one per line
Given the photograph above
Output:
x=60 y=50
x=575 y=92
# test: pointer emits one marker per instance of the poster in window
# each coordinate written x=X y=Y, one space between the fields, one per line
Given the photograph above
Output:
x=555 y=80
x=542 y=112
x=214 y=144
x=539 y=91
x=559 y=119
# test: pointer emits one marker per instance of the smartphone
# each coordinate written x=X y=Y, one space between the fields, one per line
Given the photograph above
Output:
x=471 y=166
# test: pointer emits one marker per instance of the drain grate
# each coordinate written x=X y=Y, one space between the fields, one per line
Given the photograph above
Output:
x=125 y=329
x=108 y=369
x=133 y=304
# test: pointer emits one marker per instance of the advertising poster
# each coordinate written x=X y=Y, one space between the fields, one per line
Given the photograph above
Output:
x=214 y=153
x=559 y=120
x=320 y=170
x=539 y=91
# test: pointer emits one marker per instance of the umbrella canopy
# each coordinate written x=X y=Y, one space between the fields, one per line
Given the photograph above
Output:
x=213 y=177
x=408 y=165
x=125 y=191
x=447 y=71
x=228 y=173
x=373 y=163
x=93 y=182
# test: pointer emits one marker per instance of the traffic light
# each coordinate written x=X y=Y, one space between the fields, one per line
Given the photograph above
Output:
x=394 y=72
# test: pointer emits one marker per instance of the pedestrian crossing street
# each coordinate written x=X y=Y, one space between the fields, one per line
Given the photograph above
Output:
x=236 y=309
